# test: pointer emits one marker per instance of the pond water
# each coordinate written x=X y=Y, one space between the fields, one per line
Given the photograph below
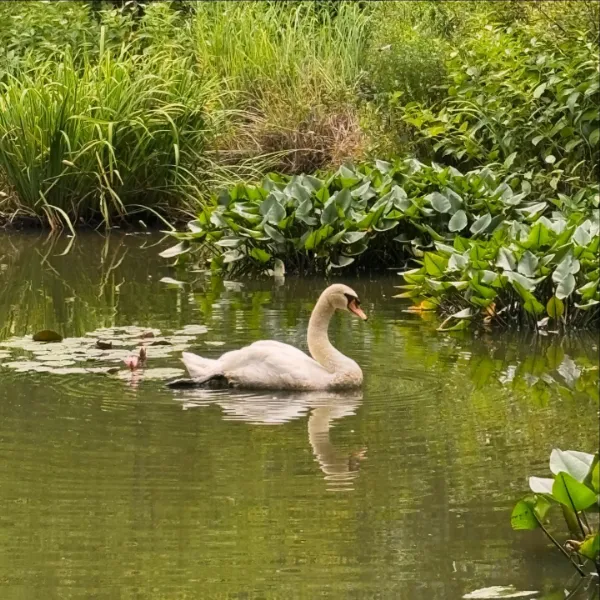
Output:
x=115 y=487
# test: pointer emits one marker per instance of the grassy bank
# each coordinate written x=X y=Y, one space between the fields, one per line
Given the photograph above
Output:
x=111 y=113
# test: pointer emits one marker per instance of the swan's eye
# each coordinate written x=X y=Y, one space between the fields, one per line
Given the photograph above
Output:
x=352 y=299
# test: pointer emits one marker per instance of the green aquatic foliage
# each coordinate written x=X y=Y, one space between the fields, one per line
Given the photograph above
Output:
x=374 y=215
x=539 y=274
x=522 y=99
x=574 y=488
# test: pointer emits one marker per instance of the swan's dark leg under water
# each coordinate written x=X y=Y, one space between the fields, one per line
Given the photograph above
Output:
x=214 y=382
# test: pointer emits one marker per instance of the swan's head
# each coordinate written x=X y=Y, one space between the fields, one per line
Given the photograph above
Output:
x=342 y=297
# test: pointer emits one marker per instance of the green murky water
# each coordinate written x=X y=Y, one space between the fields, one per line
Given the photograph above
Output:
x=112 y=486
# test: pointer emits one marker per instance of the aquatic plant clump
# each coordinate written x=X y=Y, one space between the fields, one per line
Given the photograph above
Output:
x=541 y=275
x=375 y=215
x=574 y=488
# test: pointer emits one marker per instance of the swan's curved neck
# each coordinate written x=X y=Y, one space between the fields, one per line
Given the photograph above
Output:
x=319 y=345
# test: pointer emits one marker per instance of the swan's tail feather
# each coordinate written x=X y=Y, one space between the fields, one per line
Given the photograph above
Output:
x=200 y=368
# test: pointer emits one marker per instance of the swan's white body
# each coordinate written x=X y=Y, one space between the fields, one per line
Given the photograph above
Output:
x=273 y=365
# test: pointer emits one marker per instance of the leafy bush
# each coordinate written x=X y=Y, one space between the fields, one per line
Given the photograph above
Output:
x=377 y=215
x=527 y=101
x=526 y=273
x=575 y=488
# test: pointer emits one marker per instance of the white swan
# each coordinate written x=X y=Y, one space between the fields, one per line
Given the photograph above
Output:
x=273 y=365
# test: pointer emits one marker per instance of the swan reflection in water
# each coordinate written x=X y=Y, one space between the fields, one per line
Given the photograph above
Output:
x=275 y=408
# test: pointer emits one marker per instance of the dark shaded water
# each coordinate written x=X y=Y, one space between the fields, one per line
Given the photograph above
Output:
x=120 y=489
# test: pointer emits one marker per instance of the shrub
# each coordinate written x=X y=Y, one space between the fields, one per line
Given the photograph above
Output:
x=527 y=101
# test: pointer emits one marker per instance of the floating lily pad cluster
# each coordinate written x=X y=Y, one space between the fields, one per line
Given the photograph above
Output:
x=102 y=351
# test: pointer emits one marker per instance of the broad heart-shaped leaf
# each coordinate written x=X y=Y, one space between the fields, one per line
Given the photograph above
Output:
x=565 y=288
x=343 y=199
x=523 y=517
x=329 y=214
x=274 y=234
x=590 y=548
x=541 y=485
x=458 y=221
x=581 y=236
x=596 y=477
x=481 y=224
x=272 y=209
x=439 y=202
x=435 y=264
x=176 y=250
x=525 y=282
x=538 y=236
x=567 y=266
x=351 y=237
x=555 y=308
x=572 y=493
x=505 y=259
x=528 y=264
x=343 y=261
x=577 y=464
x=260 y=255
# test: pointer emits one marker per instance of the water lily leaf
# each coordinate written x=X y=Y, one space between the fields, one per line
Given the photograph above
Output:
x=481 y=224
x=466 y=313
x=528 y=264
x=458 y=221
x=435 y=264
x=176 y=250
x=498 y=592
x=47 y=335
x=523 y=516
x=439 y=202
x=572 y=493
x=575 y=463
x=555 y=308
x=541 y=485
x=596 y=476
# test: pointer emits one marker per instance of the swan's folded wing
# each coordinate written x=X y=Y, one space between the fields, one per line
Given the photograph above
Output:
x=274 y=365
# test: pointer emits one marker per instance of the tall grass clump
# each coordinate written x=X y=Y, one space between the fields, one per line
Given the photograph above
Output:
x=291 y=72
x=91 y=142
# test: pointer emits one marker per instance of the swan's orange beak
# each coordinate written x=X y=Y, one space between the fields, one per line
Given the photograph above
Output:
x=357 y=310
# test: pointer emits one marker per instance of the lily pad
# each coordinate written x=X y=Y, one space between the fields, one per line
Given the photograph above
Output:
x=47 y=335
x=498 y=591
x=158 y=373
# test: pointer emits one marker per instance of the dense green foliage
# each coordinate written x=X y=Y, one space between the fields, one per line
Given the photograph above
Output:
x=575 y=488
